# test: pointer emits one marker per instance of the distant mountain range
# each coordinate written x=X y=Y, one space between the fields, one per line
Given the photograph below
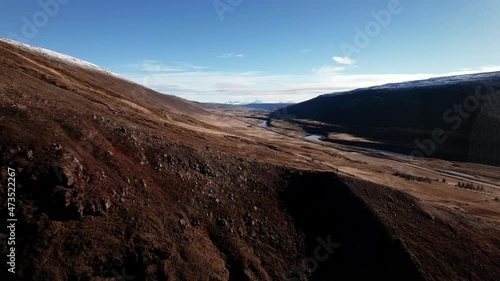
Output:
x=266 y=106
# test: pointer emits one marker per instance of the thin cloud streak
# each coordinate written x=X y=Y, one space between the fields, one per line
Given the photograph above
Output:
x=152 y=66
x=230 y=56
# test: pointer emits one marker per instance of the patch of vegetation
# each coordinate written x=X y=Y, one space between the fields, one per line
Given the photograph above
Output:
x=413 y=178
x=356 y=161
x=470 y=186
x=49 y=79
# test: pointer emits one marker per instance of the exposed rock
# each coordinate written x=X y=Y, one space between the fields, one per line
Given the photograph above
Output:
x=106 y=204
x=56 y=146
x=221 y=222
x=63 y=175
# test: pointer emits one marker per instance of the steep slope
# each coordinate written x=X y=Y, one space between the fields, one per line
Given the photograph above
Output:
x=402 y=117
x=87 y=80
x=113 y=178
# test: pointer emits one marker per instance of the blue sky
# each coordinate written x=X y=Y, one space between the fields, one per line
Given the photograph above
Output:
x=272 y=51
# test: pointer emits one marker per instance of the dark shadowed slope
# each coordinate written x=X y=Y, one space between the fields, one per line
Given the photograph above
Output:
x=402 y=117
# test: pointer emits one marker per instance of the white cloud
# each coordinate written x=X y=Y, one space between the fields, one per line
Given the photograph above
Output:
x=344 y=60
x=152 y=66
x=189 y=66
x=328 y=70
x=222 y=86
x=491 y=68
x=230 y=56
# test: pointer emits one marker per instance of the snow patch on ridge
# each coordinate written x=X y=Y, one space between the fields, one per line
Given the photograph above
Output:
x=438 y=81
x=431 y=82
x=66 y=59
